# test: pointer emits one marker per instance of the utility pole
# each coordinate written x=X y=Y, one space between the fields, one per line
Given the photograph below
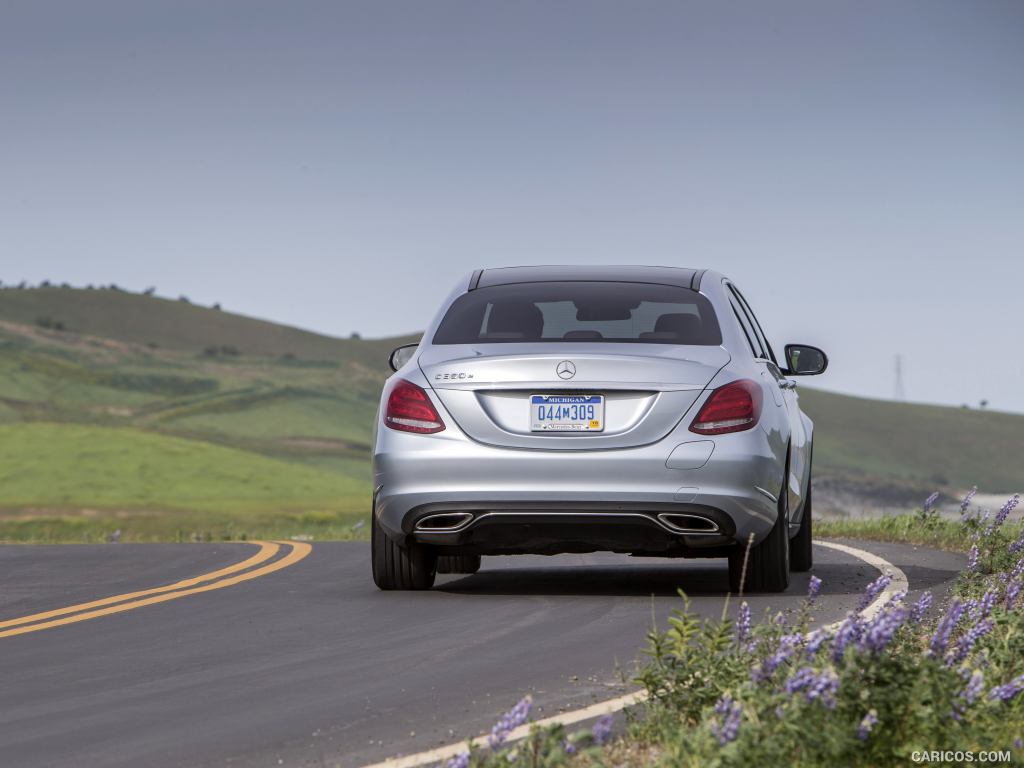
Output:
x=897 y=390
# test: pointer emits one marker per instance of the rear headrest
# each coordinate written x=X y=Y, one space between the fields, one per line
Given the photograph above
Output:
x=521 y=317
x=682 y=324
x=579 y=335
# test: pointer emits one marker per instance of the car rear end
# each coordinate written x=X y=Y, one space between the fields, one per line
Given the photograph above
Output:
x=555 y=411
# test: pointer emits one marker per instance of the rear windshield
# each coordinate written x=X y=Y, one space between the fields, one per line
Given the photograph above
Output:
x=580 y=312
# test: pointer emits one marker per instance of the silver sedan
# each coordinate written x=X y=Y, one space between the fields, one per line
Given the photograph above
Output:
x=577 y=409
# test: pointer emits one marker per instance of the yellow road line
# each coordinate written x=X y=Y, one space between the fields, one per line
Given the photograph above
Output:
x=299 y=551
x=266 y=551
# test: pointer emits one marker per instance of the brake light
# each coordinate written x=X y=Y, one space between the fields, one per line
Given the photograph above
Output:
x=409 y=410
x=733 y=407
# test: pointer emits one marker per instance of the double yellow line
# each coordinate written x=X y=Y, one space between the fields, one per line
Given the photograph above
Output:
x=206 y=582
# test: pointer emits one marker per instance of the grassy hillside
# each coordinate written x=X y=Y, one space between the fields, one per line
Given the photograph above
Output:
x=125 y=359
x=60 y=481
x=172 y=324
x=173 y=433
x=921 y=445
x=166 y=419
x=73 y=466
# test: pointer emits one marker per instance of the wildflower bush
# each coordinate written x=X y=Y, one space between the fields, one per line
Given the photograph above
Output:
x=893 y=677
x=548 y=747
x=868 y=691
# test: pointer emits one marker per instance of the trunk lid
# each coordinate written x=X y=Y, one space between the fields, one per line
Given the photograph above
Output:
x=647 y=389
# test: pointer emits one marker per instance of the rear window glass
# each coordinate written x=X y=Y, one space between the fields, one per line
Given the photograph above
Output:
x=580 y=312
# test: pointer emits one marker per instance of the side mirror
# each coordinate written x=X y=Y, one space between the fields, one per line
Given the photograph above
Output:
x=401 y=355
x=805 y=360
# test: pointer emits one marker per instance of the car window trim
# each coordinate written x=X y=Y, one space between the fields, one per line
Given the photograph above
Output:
x=748 y=326
x=757 y=324
x=733 y=304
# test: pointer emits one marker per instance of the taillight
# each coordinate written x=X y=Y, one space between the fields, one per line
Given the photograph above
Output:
x=731 y=408
x=409 y=410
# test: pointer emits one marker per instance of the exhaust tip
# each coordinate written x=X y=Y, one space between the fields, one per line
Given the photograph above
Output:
x=687 y=523
x=444 y=522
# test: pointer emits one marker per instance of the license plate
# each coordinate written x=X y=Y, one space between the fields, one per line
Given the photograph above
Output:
x=566 y=413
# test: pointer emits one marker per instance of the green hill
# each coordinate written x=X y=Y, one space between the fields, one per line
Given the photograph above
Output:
x=924 y=446
x=172 y=324
x=167 y=419
x=60 y=465
x=115 y=403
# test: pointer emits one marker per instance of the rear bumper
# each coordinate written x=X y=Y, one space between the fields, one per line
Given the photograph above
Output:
x=521 y=501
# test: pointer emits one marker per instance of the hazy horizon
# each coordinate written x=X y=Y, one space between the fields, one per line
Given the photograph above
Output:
x=858 y=169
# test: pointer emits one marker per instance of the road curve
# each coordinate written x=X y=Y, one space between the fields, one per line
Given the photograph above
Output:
x=311 y=665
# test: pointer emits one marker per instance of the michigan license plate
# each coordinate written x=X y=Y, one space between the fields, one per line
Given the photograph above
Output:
x=566 y=413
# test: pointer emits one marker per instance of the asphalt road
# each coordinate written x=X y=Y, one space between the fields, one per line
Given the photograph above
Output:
x=311 y=665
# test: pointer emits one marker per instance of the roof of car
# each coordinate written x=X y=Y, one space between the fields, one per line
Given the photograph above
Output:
x=683 y=277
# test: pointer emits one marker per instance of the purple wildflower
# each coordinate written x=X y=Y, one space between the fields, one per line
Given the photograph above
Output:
x=568 y=746
x=787 y=646
x=1005 y=510
x=461 y=760
x=972 y=560
x=848 y=631
x=867 y=724
x=940 y=639
x=880 y=630
x=813 y=587
x=1018 y=569
x=988 y=600
x=1007 y=691
x=511 y=720
x=731 y=713
x=921 y=607
x=815 y=641
x=967 y=499
x=974 y=687
x=971 y=607
x=799 y=680
x=1016 y=546
x=602 y=729
x=1012 y=592
x=873 y=590
x=816 y=686
x=967 y=641
x=930 y=501
x=743 y=624
x=825 y=688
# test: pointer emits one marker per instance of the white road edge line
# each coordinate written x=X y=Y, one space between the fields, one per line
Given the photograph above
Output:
x=610 y=706
x=899 y=578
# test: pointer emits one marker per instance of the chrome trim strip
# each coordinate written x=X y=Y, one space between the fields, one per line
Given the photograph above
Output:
x=769 y=494
x=653 y=519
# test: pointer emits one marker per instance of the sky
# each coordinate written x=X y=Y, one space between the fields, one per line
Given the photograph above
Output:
x=857 y=168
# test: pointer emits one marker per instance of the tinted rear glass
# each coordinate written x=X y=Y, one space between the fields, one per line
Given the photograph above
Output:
x=580 y=312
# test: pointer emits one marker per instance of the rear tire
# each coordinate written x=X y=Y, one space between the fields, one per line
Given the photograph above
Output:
x=411 y=566
x=768 y=562
x=801 y=557
x=466 y=564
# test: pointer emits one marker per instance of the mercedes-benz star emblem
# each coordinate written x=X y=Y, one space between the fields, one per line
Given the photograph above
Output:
x=565 y=370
